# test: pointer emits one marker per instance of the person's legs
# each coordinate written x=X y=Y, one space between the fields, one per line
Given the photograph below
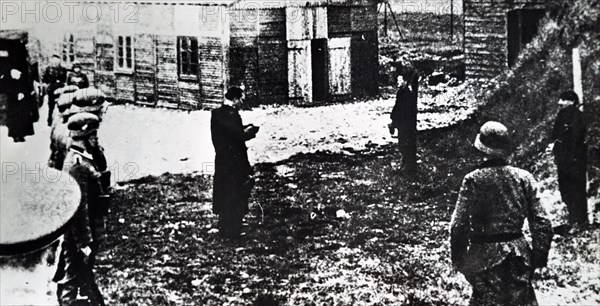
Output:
x=70 y=278
x=567 y=186
x=230 y=219
x=411 y=151
x=51 y=102
x=580 y=214
x=407 y=142
x=508 y=283
x=518 y=277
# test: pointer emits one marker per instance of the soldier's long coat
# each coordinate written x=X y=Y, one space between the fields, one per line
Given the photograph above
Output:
x=232 y=168
x=20 y=113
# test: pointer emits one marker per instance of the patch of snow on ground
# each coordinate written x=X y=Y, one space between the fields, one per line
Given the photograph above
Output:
x=141 y=141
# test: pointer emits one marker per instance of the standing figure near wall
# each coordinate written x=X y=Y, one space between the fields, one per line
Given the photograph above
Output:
x=54 y=77
x=233 y=173
x=21 y=107
x=404 y=119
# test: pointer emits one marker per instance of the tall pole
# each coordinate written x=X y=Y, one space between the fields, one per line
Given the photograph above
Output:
x=577 y=78
x=385 y=30
x=451 y=21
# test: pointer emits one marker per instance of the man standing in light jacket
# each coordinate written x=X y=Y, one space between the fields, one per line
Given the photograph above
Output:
x=487 y=243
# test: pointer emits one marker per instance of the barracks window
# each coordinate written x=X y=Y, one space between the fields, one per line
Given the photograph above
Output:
x=124 y=54
x=187 y=56
x=68 y=49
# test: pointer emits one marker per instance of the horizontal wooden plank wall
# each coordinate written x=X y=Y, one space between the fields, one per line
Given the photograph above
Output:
x=212 y=67
x=166 y=71
x=252 y=50
x=243 y=52
x=272 y=57
x=104 y=76
x=189 y=94
x=358 y=20
x=258 y=57
x=272 y=71
x=244 y=70
x=485 y=37
x=124 y=86
x=84 y=52
x=145 y=70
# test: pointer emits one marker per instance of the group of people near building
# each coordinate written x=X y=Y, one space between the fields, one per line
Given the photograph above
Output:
x=75 y=113
x=487 y=242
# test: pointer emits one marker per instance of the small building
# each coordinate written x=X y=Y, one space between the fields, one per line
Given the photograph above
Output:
x=184 y=54
x=495 y=32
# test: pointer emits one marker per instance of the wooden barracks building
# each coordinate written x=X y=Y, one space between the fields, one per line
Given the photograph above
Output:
x=184 y=54
x=496 y=31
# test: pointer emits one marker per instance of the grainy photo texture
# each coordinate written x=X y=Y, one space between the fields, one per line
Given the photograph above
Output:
x=300 y=152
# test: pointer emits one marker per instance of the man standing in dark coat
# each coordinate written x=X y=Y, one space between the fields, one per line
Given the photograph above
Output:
x=404 y=118
x=232 y=180
x=570 y=156
x=21 y=107
x=54 y=77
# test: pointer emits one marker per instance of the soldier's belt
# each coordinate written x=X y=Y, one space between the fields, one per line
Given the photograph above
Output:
x=504 y=237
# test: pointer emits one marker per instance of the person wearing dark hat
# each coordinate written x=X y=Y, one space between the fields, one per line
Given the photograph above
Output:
x=87 y=100
x=404 y=118
x=78 y=77
x=92 y=100
x=570 y=156
x=54 y=77
x=59 y=133
x=486 y=238
x=232 y=180
x=35 y=211
x=76 y=277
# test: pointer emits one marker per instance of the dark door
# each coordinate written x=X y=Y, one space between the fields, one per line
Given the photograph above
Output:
x=365 y=63
x=521 y=29
x=530 y=21
x=319 y=69
x=13 y=55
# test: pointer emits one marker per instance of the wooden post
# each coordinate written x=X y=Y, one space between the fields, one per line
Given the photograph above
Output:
x=385 y=23
x=578 y=88
x=577 y=79
x=451 y=21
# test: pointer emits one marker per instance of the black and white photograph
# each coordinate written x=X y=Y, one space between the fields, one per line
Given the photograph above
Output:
x=300 y=152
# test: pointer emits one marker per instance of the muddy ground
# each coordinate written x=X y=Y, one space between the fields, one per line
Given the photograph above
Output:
x=323 y=228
